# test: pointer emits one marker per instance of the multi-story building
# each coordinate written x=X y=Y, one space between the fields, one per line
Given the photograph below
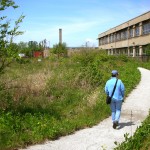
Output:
x=130 y=38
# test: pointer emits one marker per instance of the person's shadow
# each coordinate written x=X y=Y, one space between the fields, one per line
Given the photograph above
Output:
x=123 y=124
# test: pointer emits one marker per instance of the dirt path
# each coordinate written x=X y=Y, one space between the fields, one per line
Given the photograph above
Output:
x=102 y=136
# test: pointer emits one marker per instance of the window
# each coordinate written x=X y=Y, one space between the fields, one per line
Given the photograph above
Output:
x=131 y=51
x=114 y=39
x=131 y=33
x=108 y=39
x=111 y=38
x=105 y=40
x=100 y=42
x=118 y=36
x=137 y=29
x=146 y=28
x=126 y=51
x=144 y=50
x=122 y=35
x=126 y=34
x=137 y=51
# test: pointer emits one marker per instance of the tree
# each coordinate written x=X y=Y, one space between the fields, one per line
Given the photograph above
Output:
x=32 y=46
x=8 y=50
x=23 y=48
x=60 y=49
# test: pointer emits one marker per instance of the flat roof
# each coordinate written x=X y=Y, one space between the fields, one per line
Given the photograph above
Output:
x=126 y=24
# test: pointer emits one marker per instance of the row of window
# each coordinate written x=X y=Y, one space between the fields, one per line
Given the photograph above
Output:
x=125 y=34
x=125 y=51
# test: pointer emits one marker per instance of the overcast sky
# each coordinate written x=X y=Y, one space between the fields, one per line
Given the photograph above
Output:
x=80 y=20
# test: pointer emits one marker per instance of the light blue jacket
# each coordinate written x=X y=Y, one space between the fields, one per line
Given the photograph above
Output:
x=120 y=89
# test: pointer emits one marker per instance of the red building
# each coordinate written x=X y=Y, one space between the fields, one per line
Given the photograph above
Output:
x=37 y=54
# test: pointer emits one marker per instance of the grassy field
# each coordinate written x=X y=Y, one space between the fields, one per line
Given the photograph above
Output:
x=55 y=97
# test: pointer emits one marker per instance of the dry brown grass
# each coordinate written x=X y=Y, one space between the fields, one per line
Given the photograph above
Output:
x=31 y=84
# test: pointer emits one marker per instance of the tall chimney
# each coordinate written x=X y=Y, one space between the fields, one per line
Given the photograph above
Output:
x=60 y=36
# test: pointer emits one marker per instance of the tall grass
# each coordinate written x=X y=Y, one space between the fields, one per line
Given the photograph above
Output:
x=55 y=97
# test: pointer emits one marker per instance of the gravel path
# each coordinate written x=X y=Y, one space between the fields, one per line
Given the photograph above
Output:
x=102 y=136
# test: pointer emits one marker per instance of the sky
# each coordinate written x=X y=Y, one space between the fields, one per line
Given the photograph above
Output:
x=80 y=20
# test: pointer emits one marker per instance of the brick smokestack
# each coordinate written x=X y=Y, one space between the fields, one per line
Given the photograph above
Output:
x=60 y=36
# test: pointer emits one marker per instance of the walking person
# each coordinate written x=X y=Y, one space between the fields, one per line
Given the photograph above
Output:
x=117 y=98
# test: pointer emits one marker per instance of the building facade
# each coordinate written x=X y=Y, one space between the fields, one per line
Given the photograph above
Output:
x=129 y=38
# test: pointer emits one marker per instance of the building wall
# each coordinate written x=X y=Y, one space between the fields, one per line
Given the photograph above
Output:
x=46 y=53
x=37 y=54
x=143 y=40
x=128 y=38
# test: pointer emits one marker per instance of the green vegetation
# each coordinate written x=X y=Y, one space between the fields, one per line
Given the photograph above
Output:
x=54 y=97
x=148 y=50
x=60 y=49
x=140 y=140
x=8 y=50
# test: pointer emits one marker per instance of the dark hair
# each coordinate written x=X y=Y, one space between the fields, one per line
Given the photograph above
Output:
x=114 y=75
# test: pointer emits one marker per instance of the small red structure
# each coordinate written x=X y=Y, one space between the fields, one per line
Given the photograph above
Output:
x=37 y=54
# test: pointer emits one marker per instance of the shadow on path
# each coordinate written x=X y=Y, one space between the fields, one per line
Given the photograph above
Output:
x=123 y=124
